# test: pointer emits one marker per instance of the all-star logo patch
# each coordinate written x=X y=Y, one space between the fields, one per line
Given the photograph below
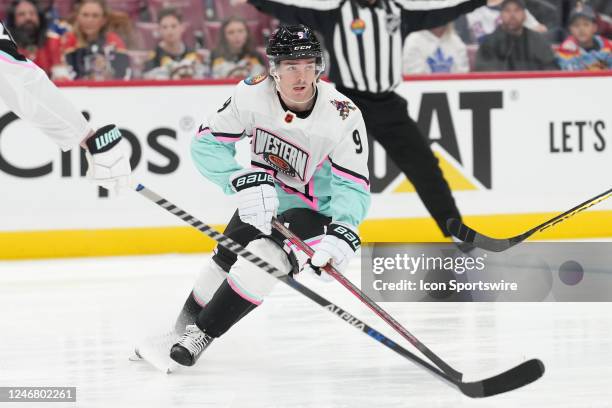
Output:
x=283 y=156
x=254 y=80
x=344 y=107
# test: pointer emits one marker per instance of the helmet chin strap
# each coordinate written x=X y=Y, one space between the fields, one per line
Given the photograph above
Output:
x=277 y=80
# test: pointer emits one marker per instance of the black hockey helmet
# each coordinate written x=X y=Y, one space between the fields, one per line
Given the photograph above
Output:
x=294 y=42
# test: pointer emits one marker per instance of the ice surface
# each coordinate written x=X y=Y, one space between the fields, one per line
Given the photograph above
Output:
x=74 y=323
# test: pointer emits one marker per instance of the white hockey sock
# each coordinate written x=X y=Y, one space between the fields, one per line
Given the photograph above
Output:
x=210 y=278
x=250 y=281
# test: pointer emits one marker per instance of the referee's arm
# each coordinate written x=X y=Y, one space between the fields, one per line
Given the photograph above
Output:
x=415 y=20
x=312 y=13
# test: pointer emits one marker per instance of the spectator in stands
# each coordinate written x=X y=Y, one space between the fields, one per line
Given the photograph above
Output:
x=172 y=59
x=92 y=51
x=55 y=22
x=513 y=47
x=436 y=50
x=475 y=26
x=235 y=56
x=28 y=25
x=584 y=49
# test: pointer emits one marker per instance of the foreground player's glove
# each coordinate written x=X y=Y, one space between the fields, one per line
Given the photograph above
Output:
x=337 y=247
x=257 y=199
x=108 y=157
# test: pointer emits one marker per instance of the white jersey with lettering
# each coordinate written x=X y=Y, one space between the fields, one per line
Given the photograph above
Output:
x=318 y=161
x=28 y=92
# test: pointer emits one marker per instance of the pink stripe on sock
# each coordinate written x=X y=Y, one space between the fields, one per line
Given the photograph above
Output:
x=198 y=299
x=242 y=293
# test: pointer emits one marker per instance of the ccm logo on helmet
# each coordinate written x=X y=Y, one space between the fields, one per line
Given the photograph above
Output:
x=302 y=47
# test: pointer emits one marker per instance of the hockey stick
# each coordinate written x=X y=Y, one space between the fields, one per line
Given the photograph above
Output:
x=516 y=377
x=489 y=387
x=471 y=236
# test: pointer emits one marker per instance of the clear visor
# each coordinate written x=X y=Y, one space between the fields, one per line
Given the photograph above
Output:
x=290 y=69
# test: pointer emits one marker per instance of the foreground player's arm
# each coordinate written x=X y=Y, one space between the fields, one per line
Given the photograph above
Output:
x=415 y=20
x=27 y=91
x=350 y=179
x=213 y=149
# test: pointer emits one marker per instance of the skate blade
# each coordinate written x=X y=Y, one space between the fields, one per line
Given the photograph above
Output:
x=159 y=362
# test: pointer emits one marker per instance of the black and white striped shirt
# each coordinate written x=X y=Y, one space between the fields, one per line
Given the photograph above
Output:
x=365 y=43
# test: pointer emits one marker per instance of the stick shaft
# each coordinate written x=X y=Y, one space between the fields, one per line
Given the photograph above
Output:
x=283 y=277
x=571 y=212
x=370 y=303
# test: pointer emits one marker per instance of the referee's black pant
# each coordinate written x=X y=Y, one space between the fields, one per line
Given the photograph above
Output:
x=387 y=121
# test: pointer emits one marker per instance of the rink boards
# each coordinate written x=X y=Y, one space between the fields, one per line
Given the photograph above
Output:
x=516 y=149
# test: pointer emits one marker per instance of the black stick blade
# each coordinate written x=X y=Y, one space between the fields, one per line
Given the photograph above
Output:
x=516 y=377
x=471 y=236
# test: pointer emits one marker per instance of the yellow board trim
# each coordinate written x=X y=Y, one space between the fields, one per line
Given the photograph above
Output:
x=144 y=241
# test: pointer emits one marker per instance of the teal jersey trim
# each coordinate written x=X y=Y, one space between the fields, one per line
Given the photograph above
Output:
x=336 y=197
x=215 y=160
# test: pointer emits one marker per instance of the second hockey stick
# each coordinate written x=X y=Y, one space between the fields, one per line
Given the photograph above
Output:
x=495 y=385
x=516 y=377
x=473 y=237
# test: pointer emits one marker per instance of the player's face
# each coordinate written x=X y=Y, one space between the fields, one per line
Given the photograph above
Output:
x=170 y=30
x=297 y=78
x=512 y=18
x=236 y=35
x=91 y=19
x=26 y=15
x=583 y=30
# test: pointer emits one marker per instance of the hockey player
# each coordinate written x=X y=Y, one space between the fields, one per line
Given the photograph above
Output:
x=364 y=39
x=27 y=91
x=308 y=165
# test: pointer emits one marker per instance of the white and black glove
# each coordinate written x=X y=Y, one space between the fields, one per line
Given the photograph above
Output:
x=257 y=199
x=108 y=157
x=337 y=247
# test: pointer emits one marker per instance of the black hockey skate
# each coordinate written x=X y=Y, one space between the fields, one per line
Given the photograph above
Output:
x=190 y=346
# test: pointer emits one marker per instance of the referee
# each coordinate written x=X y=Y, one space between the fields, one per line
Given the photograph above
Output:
x=364 y=39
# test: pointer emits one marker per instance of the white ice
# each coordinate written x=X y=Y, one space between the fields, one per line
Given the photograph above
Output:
x=75 y=322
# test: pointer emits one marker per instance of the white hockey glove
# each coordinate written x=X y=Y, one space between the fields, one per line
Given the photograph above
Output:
x=257 y=199
x=108 y=159
x=337 y=247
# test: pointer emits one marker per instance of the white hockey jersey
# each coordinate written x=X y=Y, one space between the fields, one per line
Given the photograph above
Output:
x=27 y=91
x=318 y=162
